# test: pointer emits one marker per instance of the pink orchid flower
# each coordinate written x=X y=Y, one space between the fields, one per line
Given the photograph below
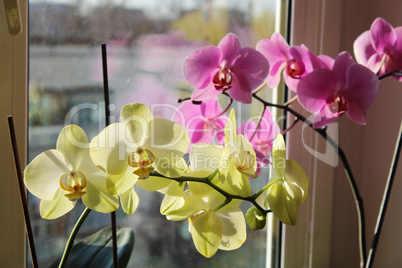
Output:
x=228 y=67
x=348 y=88
x=295 y=62
x=203 y=122
x=380 y=48
x=262 y=139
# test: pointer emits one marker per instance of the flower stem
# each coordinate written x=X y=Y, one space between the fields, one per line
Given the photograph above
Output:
x=107 y=123
x=260 y=87
x=289 y=102
x=226 y=109
x=71 y=239
x=291 y=126
x=224 y=203
x=207 y=180
x=384 y=203
x=259 y=122
x=23 y=197
x=396 y=73
x=265 y=188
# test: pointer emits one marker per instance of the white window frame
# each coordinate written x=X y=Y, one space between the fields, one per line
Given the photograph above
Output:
x=13 y=101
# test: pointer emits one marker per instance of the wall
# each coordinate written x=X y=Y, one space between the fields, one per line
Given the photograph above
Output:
x=326 y=234
x=371 y=147
x=13 y=84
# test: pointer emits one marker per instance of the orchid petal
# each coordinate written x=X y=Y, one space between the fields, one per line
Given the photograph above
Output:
x=341 y=65
x=247 y=129
x=314 y=89
x=53 y=209
x=153 y=183
x=206 y=157
x=383 y=35
x=97 y=197
x=324 y=117
x=239 y=183
x=362 y=48
x=117 y=184
x=201 y=121
x=172 y=170
x=200 y=189
x=174 y=198
x=375 y=64
x=207 y=231
x=230 y=46
x=326 y=61
x=199 y=65
x=168 y=140
x=206 y=93
x=264 y=135
x=291 y=82
x=129 y=201
x=234 y=230
x=361 y=91
x=297 y=180
x=72 y=141
x=279 y=156
x=282 y=203
x=275 y=73
x=192 y=205
x=186 y=111
x=210 y=108
x=108 y=149
x=239 y=92
x=200 y=133
x=42 y=175
x=136 y=117
x=305 y=56
x=251 y=69
x=274 y=49
x=230 y=130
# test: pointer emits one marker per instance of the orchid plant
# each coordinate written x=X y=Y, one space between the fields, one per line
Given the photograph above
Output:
x=208 y=188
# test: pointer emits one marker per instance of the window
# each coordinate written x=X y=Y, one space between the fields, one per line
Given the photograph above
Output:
x=146 y=44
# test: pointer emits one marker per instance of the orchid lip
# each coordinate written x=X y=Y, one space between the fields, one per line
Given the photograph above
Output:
x=195 y=216
x=142 y=160
x=295 y=68
x=74 y=183
x=245 y=162
x=337 y=103
x=223 y=79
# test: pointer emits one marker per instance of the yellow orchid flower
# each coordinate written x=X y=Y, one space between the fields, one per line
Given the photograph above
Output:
x=61 y=176
x=289 y=184
x=129 y=151
x=211 y=225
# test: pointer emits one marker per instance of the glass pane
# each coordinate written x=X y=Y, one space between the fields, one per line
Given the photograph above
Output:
x=147 y=42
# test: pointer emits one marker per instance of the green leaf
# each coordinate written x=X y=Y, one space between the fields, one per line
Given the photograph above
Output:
x=96 y=250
